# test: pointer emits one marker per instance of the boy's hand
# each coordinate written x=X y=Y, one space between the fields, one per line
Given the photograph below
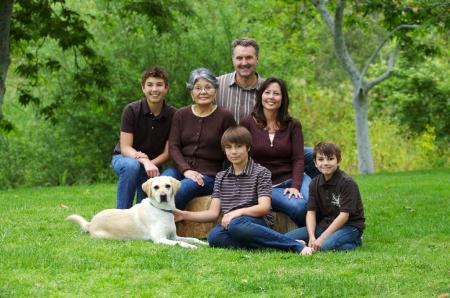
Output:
x=292 y=191
x=317 y=244
x=150 y=169
x=194 y=176
x=178 y=214
x=228 y=217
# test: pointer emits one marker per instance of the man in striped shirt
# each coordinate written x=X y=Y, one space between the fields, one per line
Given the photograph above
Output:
x=242 y=193
x=237 y=90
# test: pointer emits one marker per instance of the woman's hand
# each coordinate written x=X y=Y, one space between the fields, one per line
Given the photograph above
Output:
x=292 y=191
x=194 y=176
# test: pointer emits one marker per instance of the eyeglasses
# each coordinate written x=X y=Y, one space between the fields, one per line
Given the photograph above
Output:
x=208 y=89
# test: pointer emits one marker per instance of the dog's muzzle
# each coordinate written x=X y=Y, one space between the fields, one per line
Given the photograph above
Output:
x=163 y=197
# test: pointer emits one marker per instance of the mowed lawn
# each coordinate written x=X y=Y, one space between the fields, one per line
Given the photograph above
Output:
x=405 y=251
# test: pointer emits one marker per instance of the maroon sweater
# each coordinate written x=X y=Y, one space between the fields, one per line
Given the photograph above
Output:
x=285 y=158
x=194 y=142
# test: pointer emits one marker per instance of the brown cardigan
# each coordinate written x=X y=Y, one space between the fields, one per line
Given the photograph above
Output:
x=194 y=142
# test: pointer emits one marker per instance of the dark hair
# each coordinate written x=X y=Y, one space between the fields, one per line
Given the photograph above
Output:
x=328 y=149
x=156 y=72
x=245 y=42
x=283 y=112
x=237 y=135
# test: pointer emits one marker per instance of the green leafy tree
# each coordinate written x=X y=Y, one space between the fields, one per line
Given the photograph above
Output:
x=397 y=18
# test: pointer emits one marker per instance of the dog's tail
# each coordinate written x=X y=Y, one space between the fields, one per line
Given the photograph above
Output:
x=84 y=224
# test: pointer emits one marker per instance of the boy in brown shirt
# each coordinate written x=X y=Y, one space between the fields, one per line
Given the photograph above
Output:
x=335 y=217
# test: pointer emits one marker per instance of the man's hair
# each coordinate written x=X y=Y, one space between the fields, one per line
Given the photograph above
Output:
x=245 y=42
x=236 y=135
x=282 y=114
x=328 y=149
x=156 y=72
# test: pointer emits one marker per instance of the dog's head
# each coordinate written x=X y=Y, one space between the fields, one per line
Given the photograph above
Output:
x=161 y=189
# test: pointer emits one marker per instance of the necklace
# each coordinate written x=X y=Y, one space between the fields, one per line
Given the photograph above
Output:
x=203 y=114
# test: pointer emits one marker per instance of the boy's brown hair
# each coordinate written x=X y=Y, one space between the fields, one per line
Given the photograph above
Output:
x=156 y=72
x=328 y=149
x=237 y=135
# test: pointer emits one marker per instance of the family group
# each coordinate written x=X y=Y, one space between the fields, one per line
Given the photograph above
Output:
x=238 y=143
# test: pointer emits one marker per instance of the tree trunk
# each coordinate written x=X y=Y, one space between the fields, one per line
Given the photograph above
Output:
x=360 y=106
x=5 y=23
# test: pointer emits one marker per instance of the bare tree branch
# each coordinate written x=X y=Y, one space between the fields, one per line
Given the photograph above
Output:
x=338 y=37
x=377 y=51
x=320 y=5
x=388 y=72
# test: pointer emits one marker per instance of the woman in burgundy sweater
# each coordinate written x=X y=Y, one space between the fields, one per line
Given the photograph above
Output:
x=194 y=141
x=278 y=146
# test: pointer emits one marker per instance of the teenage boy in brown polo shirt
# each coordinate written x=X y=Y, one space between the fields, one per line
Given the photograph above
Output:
x=335 y=217
x=144 y=131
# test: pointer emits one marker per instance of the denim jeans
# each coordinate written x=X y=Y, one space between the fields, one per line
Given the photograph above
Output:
x=292 y=207
x=188 y=188
x=310 y=167
x=131 y=176
x=250 y=233
x=346 y=238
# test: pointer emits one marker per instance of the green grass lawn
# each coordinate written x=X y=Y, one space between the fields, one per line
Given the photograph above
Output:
x=405 y=251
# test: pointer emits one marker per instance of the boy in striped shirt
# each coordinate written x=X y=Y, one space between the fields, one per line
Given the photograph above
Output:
x=242 y=193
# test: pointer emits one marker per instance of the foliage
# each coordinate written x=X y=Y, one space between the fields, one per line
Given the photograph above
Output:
x=44 y=256
x=293 y=46
x=418 y=97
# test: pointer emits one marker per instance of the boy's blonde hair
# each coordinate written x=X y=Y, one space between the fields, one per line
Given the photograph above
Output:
x=328 y=149
x=237 y=135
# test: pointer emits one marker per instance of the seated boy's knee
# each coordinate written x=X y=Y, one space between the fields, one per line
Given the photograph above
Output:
x=240 y=228
x=131 y=166
x=213 y=237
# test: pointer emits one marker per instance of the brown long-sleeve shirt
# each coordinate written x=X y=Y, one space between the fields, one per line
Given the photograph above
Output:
x=194 y=142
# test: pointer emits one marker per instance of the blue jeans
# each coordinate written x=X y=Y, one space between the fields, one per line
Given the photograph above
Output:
x=346 y=238
x=292 y=207
x=131 y=176
x=188 y=188
x=250 y=233
x=310 y=167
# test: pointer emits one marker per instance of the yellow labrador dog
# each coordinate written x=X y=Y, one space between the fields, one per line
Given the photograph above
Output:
x=152 y=219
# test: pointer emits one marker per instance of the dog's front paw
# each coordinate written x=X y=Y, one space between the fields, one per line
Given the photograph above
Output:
x=187 y=245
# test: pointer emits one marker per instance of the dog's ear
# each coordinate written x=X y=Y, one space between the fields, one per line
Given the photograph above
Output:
x=175 y=184
x=147 y=187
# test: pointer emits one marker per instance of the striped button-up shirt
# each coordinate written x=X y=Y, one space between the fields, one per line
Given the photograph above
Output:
x=243 y=190
x=238 y=100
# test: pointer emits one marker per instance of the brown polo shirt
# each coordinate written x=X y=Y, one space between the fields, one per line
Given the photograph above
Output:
x=339 y=194
x=150 y=132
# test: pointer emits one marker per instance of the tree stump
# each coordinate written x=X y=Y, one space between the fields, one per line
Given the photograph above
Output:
x=282 y=223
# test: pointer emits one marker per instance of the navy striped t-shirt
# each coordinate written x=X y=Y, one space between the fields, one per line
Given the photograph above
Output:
x=243 y=190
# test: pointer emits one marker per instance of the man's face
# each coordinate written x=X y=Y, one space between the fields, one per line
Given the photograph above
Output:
x=155 y=89
x=245 y=61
